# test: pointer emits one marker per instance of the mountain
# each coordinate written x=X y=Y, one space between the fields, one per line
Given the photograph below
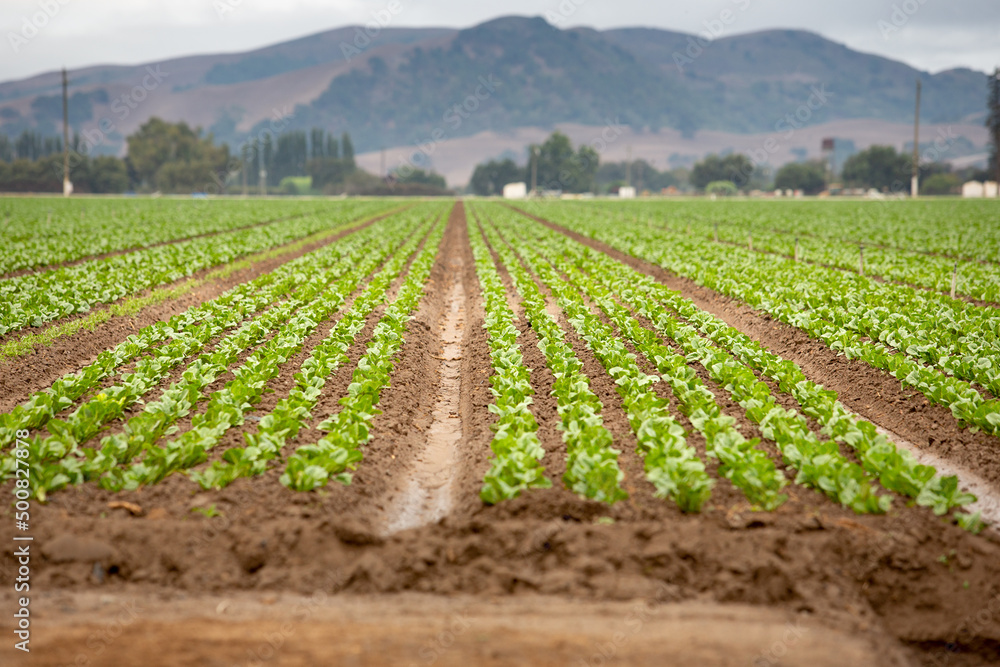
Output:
x=408 y=86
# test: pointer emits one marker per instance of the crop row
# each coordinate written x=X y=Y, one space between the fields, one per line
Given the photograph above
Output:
x=60 y=459
x=858 y=325
x=592 y=469
x=33 y=299
x=671 y=464
x=347 y=431
x=226 y=311
x=896 y=470
x=44 y=232
x=294 y=412
x=516 y=463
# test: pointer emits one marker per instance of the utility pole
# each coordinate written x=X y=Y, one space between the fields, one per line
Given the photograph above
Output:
x=381 y=169
x=243 y=169
x=628 y=165
x=534 y=169
x=67 y=185
x=262 y=174
x=914 y=180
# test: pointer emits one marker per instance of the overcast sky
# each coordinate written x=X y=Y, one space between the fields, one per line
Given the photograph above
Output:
x=929 y=34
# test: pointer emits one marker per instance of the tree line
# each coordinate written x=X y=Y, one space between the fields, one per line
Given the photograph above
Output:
x=176 y=158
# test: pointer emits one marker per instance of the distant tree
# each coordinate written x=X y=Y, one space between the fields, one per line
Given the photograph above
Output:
x=332 y=147
x=736 y=168
x=489 y=178
x=560 y=168
x=328 y=171
x=879 y=167
x=810 y=177
x=644 y=176
x=941 y=184
x=347 y=149
x=157 y=144
x=993 y=123
x=724 y=188
x=317 y=146
x=108 y=175
x=290 y=156
x=421 y=177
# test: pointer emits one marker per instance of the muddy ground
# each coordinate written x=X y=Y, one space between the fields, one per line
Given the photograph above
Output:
x=407 y=566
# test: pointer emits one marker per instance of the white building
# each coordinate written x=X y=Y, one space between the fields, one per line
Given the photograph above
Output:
x=626 y=192
x=975 y=189
x=515 y=191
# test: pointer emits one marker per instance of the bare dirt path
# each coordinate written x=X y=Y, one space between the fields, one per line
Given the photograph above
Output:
x=426 y=497
x=411 y=629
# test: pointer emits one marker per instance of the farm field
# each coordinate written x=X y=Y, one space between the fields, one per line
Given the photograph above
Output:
x=480 y=432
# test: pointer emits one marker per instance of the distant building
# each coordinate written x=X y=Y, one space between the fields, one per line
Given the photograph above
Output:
x=626 y=192
x=975 y=189
x=515 y=191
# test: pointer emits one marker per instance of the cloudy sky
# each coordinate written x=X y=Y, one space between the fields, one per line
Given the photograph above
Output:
x=42 y=35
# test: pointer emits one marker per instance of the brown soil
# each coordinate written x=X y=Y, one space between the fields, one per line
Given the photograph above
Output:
x=292 y=630
x=547 y=578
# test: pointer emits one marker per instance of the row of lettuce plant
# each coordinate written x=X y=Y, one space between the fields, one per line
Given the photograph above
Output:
x=59 y=459
x=897 y=470
x=671 y=464
x=312 y=465
x=294 y=412
x=766 y=290
x=226 y=310
x=592 y=469
x=36 y=298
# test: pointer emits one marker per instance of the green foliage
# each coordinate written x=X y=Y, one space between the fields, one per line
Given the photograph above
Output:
x=489 y=177
x=941 y=184
x=172 y=157
x=644 y=176
x=735 y=167
x=885 y=325
x=810 y=177
x=724 y=188
x=560 y=168
x=879 y=167
x=420 y=177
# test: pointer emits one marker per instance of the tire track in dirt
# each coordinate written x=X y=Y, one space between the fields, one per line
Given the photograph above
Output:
x=871 y=393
